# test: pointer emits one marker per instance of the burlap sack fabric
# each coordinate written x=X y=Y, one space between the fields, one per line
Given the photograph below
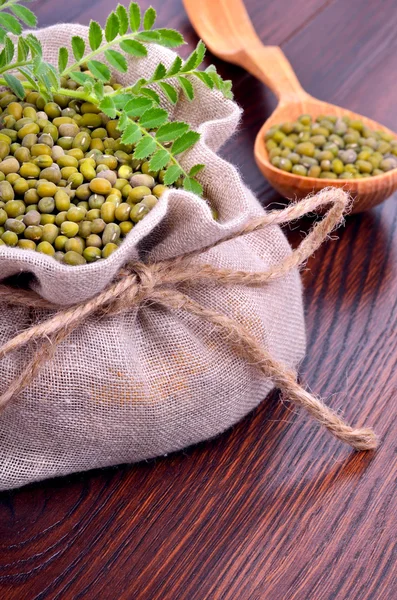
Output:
x=130 y=386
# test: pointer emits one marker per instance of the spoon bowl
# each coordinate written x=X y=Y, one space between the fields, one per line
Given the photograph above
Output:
x=226 y=28
x=366 y=192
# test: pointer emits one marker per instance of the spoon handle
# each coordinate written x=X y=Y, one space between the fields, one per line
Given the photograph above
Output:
x=227 y=29
x=270 y=65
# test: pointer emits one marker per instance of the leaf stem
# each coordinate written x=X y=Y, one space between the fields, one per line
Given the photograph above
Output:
x=76 y=94
x=15 y=65
x=62 y=91
x=8 y=4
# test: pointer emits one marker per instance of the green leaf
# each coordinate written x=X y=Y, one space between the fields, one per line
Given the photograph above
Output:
x=99 y=70
x=9 y=49
x=150 y=93
x=15 y=85
x=169 y=91
x=145 y=147
x=191 y=185
x=171 y=131
x=79 y=77
x=98 y=89
x=134 y=48
x=2 y=36
x=205 y=78
x=148 y=36
x=123 y=19
x=227 y=89
x=28 y=74
x=170 y=38
x=78 y=47
x=24 y=14
x=159 y=160
x=135 y=16
x=40 y=70
x=10 y=23
x=132 y=134
x=137 y=106
x=112 y=27
x=23 y=50
x=186 y=141
x=195 y=59
x=153 y=118
x=172 y=174
x=187 y=87
x=159 y=73
x=88 y=87
x=95 y=35
x=117 y=60
x=224 y=86
x=201 y=50
x=175 y=67
x=120 y=100
x=53 y=75
x=191 y=62
x=123 y=122
x=149 y=18
x=34 y=45
x=2 y=58
x=196 y=169
x=63 y=58
x=107 y=106
x=211 y=70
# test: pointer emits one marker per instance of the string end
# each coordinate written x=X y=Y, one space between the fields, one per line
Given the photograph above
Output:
x=363 y=439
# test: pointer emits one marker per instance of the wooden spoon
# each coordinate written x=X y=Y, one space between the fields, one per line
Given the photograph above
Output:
x=225 y=27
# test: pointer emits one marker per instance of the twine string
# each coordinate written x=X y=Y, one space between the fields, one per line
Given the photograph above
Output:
x=140 y=283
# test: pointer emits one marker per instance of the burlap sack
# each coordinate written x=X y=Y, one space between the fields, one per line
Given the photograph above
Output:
x=144 y=383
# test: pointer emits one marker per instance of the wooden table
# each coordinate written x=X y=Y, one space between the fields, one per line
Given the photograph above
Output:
x=274 y=509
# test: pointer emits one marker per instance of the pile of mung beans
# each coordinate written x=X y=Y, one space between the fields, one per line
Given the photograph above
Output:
x=331 y=148
x=68 y=187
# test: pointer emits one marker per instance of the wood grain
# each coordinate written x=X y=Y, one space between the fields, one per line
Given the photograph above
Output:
x=274 y=509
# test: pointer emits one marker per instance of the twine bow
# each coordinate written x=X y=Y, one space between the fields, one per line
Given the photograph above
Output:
x=158 y=282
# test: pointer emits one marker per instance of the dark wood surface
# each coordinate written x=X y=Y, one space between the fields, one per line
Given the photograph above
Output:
x=274 y=509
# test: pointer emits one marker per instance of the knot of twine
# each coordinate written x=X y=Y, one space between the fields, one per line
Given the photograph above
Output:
x=158 y=282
